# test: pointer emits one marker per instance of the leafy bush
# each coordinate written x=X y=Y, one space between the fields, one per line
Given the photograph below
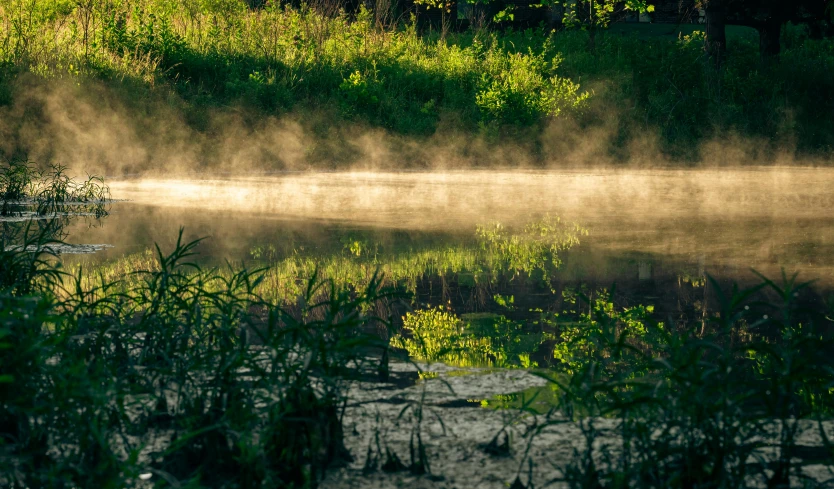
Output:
x=515 y=89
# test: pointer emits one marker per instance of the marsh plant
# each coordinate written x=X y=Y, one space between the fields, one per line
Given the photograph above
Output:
x=27 y=190
x=470 y=340
x=187 y=375
x=722 y=405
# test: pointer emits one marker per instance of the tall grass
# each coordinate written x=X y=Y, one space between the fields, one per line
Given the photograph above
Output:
x=723 y=405
x=24 y=187
x=187 y=375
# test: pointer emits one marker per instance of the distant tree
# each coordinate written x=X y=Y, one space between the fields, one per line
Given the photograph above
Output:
x=593 y=15
x=596 y=14
x=766 y=16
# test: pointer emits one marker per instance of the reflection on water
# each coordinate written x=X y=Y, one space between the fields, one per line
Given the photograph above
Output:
x=642 y=224
x=656 y=234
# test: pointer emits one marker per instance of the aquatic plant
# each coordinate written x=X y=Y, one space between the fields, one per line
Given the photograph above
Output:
x=717 y=406
x=56 y=190
x=474 y=340
x=16 y=180
x=225 y=384
x=24 y=188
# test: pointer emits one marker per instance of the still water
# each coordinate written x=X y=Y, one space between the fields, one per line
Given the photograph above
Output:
x=651 y=226
x=489 y=301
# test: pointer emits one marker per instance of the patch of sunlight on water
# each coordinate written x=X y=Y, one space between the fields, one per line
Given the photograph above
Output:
x=766 y=218
x=447 y=200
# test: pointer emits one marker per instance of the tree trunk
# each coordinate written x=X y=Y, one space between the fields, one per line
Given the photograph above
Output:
x=769 y=33
x=401 y=11
x=716 y=38
x=442 y=18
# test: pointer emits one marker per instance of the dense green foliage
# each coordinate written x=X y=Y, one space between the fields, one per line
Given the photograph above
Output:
x=503 y=86
x=701 y=407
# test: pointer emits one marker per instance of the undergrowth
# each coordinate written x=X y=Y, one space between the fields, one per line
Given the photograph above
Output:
x=187 y=375
x=719 y=406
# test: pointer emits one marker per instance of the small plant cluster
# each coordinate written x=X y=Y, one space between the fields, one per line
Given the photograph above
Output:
x=722 y=406
x=186 y=377
x=24 y=187
x=474 y=340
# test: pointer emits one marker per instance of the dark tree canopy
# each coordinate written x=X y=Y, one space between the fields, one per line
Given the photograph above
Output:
x=766 y=16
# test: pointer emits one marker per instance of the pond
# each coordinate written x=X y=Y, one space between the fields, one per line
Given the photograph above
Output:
x=710 y=219
x=502 y=275
x=647 y=231
x=651 y=235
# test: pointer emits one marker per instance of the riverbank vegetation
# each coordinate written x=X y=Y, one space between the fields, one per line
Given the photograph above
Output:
x=164 y=74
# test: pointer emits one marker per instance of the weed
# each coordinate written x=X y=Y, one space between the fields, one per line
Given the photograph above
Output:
x=717 y=408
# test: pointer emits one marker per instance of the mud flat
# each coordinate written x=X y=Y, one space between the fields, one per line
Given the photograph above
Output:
x=456 y=437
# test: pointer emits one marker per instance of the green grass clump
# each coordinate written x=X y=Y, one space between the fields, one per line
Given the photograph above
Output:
x=24 y=187
x=187 y=374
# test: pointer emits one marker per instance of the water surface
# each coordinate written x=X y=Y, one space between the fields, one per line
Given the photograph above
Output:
x=642 y=225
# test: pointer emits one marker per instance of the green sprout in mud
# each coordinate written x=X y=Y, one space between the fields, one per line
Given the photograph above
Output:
x=474 y=340
x=580 y=337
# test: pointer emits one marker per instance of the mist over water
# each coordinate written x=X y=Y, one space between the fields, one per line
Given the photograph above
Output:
x=715 y=221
